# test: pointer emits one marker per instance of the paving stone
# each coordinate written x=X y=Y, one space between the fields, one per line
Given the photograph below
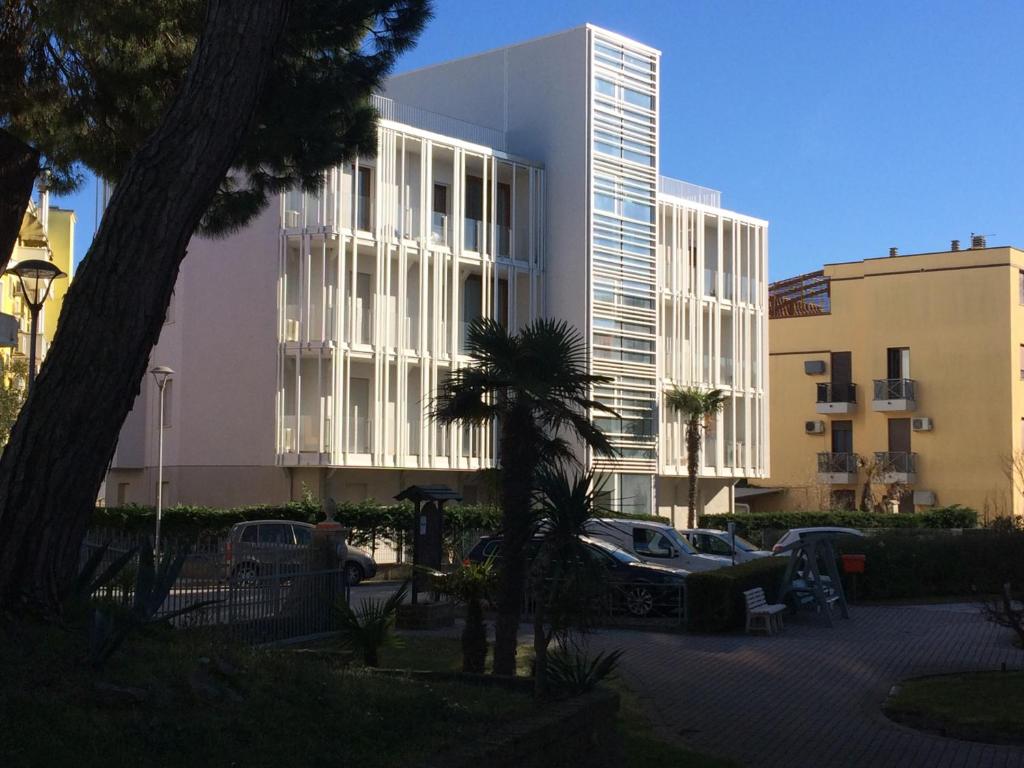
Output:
x=811 y=696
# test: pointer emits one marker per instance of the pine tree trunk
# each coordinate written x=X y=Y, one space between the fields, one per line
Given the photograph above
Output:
x=692 y=468
x=19 y=165
x=517 y=465
x=52 y=468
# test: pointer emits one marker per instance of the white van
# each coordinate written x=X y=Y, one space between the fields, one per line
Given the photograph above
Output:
x=654 y=543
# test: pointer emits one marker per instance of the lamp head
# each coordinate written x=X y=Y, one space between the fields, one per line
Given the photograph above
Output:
x=35 y=276
x=160 y=374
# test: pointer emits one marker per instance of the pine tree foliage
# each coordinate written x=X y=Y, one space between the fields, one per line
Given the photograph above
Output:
x=87 y=81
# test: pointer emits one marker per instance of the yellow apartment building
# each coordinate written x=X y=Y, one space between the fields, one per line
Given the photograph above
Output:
x=901 y=375
x=46 y=233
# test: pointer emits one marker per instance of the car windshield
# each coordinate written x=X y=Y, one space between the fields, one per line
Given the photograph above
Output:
x=679 y=541
x=610 y=549
x=745 y=545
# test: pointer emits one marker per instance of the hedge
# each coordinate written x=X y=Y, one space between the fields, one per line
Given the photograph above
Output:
x=714 y=599
x=953 y=516
x=906 y=565
x=368 y=520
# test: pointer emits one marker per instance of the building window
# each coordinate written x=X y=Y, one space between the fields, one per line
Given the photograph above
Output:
x=842 y=437
x=363 y=200
x=122 y=491
x=1022 y=361
x=1020 y=286
x=439 y=219
x=844 y=499
x=165 y=420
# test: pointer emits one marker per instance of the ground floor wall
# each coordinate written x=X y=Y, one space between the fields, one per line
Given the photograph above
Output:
x=714 y=496
x=996 y=500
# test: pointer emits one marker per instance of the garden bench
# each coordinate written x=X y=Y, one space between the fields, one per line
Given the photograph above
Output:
x=761 y=613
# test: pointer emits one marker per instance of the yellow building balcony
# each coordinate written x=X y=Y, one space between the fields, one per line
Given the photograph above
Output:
x=894 y=395
x=896 y=467
x=836 y=397
x=838 y=468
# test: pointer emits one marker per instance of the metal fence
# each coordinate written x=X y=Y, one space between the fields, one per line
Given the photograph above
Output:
x=636 y=605
x=286 y=599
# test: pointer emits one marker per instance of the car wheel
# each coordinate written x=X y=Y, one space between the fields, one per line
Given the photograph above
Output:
x=246 y=573
x=639 y=601
x=353 y=573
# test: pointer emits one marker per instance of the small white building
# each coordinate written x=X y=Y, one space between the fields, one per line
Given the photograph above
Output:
x=518 y=183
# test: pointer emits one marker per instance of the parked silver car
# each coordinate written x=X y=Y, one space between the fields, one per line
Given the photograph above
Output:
x=282 y=546
x=714 y=542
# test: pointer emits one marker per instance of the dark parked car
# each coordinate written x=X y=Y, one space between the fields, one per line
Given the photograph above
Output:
x=640 y=588
x=282 y=546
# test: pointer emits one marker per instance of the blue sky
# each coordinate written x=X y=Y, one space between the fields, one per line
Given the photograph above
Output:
x=851 y=127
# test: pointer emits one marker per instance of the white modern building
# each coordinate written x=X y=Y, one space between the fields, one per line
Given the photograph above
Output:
x=518 y=183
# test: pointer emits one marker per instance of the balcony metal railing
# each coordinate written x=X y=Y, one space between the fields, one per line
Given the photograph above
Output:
x=832 y=463
x=830 y=392
x=437 y=123
x=895 y=389
x=896 y=462
x=688 y=191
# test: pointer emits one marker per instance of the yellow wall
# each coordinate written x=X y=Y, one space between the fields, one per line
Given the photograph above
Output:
x=58 y=247
x=959 y=314
x=62 y=239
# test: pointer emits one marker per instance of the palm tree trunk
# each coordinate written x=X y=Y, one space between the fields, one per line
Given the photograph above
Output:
x=692 y=468
x=517 y=465
x=19 y=165
x=65 y=436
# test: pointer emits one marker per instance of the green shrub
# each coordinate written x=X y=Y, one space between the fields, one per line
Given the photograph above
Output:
x=370 y=521
x=911 y=565
x=747 y=524
x=714 y=599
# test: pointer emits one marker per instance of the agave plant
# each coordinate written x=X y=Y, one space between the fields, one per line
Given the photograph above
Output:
x=574 y=672
x=111 y=625
x=369 y=629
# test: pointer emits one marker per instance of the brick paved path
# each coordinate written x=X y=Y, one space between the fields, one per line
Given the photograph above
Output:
x=812 y=695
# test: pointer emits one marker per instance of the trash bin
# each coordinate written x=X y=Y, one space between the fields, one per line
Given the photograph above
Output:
x=853 y=563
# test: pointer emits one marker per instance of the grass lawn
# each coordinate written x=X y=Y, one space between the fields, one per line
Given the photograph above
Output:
x=443 y=654
x=643 y=748
x=982 y=706
x=244 y=707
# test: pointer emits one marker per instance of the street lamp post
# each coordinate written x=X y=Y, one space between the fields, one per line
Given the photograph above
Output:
x=35 y=277
x=161 y=374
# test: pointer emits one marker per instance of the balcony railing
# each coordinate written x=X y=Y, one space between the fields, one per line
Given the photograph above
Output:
x=474 y=229
x=896 y=462
x=832 y=463
x=895 y=389
x=439 y=229
x=504 y=240
x=443 y=124
x=359 y=434
x=837 y=392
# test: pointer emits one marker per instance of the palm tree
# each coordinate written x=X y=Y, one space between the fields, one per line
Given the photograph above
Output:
x=567 y=580
x=535 y=387
x=697 y=406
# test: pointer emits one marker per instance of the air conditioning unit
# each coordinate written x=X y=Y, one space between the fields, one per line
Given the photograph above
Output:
x=921 y=424
x=814 y=427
